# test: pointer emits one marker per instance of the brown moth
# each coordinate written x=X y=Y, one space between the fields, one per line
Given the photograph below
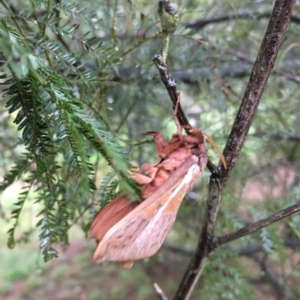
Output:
x=127 y=231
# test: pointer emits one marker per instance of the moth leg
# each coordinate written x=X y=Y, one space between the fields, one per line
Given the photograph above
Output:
x=160 y=143
x=127 y=264
x=145 y=175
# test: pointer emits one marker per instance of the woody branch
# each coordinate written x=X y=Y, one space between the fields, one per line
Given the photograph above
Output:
x=199 y=24
x=168 y=13
x=262 y=68
x=160 y=293
x=271 y=43
x=218 y=241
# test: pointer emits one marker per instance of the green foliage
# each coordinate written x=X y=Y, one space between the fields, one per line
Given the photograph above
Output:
x=58 y=131
x=108 y=188
x=19 y=57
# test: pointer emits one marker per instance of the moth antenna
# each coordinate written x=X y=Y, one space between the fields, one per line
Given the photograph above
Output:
x=217 y=148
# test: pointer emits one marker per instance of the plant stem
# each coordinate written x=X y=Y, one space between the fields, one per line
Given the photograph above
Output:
x=270 y=46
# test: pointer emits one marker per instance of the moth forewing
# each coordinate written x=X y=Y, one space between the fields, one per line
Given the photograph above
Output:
x=111 y=214
x=142 y=232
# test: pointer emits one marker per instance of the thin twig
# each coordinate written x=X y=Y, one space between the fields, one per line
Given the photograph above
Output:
x=58 y=35
x=196 y=25
x=160 y=293
x=253 y=252
x=270 y=46
x=191 y=76
x=293 y=243
x=202 y=252
x=178 y=250
x=7 y=8
x=218 y=241
x=260 y=73
x=170 y=85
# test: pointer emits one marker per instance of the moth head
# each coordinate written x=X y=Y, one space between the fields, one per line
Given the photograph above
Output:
x=199 y=134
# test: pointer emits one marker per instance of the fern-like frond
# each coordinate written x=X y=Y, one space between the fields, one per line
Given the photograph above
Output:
x=46 y=84
x=17 y=170
x=15 y=214
x=108 y=188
